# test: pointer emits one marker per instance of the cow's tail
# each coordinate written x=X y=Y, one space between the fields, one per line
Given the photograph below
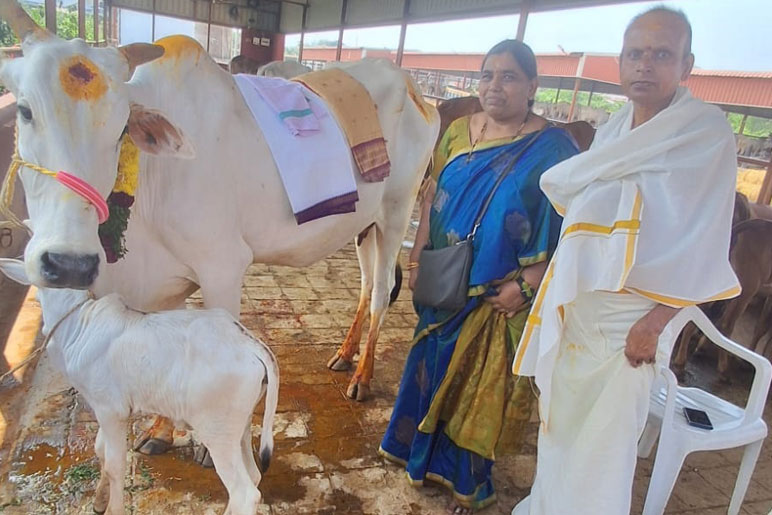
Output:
x=271 y=401
x=397 y=284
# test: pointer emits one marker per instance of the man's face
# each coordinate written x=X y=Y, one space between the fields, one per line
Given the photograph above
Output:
x=652 y=62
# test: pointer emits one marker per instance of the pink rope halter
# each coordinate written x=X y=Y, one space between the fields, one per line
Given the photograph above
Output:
x=86 y=191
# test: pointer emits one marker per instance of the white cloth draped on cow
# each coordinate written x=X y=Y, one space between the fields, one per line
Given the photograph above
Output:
x=647 y=212
x=315 y=166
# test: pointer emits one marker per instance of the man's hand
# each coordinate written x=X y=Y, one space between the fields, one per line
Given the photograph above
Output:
x=642 y=340
x=509 y=299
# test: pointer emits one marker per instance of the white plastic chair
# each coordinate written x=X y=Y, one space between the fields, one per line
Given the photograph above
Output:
x=733 y=426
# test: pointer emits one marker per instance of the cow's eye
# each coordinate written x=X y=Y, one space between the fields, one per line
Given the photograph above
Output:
x=25 y=112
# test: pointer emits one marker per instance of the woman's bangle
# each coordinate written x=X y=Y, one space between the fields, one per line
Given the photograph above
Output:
x=411 y=265
x=526 y=290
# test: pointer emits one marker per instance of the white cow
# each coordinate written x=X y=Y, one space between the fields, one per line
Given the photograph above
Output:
x=210 y=201
x=209 y=374
x=283 y=69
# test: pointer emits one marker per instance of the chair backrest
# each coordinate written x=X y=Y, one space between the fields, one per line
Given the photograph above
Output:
x=763 y=369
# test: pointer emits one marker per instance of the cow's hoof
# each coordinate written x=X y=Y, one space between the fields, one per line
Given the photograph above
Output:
x=151 y=446
x=358 y=391
x=338 y=363
x=202 y=457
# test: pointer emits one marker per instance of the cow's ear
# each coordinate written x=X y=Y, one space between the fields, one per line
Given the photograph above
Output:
x=14 y=269
x=156 y=135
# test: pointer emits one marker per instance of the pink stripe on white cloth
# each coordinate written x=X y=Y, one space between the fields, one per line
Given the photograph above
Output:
x=86 y=191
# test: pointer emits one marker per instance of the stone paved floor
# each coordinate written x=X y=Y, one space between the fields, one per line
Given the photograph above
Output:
x=325 y=458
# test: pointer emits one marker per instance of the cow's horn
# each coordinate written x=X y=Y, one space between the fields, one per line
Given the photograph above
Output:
x=19 y=21
x=140 y=53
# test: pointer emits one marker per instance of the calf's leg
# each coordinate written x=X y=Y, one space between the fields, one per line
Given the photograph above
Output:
x=114 y=430
x=227 y=454
x=102 y=495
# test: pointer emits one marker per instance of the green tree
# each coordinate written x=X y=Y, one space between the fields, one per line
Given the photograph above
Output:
x=598 y=101
x=66 y=24
x=754 y=126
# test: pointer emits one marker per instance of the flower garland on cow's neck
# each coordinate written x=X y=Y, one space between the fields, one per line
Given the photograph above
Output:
x=111 y=233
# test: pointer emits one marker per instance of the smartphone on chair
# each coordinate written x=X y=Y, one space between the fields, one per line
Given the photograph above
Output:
x=697 y=418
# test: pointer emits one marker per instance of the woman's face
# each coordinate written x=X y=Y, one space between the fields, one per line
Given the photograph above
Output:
x=504 y=87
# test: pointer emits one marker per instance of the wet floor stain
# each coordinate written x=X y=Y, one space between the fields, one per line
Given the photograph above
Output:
x=326 y=447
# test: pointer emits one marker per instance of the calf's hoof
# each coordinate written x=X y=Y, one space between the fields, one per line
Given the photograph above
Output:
x=338 y=363
x=358 y=391
x=202 y=457
x=151 y=446
x=102 y=496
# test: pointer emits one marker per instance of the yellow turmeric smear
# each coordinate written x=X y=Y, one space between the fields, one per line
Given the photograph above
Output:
x=81 y=79
x=177 y=46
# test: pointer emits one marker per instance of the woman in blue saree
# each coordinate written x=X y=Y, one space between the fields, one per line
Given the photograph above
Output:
x=459 y=406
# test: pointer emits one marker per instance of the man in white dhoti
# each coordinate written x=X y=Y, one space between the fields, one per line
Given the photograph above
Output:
x=648 y=213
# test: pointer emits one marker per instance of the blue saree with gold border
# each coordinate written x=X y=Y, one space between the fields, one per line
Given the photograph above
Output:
x=458 y=406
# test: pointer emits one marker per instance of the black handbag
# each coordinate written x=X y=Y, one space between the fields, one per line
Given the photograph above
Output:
x=443 y=277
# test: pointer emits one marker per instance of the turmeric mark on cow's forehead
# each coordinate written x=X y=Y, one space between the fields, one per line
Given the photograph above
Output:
x=177 y=46
x=81 y=79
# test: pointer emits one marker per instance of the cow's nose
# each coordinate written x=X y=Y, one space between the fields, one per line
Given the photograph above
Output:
x=69 y=270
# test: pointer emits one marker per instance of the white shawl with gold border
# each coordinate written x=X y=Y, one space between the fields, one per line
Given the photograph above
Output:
x=647 y=210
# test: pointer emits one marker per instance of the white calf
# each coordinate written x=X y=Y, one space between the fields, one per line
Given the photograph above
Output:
x=200 y=368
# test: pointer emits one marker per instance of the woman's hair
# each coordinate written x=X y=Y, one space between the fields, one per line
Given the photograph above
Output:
x=520 y=52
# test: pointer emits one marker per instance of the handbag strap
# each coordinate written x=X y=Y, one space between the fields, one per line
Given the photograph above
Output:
x=510 y=166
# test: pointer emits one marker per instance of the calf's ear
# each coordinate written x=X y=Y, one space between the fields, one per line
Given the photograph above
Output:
x=14 y=270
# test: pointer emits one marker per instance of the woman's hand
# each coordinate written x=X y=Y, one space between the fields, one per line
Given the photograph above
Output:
x=422 y=234
x=508 y=301
x=413 y=278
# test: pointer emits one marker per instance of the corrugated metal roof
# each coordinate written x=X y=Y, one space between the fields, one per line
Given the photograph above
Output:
x=265 y=16
x=325 y=14
x=733 y=74
x=732 y=89
x=750 y=91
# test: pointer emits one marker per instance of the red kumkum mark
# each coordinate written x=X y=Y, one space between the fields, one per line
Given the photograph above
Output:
x=81 y=79
x=81 y=72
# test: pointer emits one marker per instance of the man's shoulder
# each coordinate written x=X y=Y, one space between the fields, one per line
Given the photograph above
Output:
x=710 y=111
x=712 y=116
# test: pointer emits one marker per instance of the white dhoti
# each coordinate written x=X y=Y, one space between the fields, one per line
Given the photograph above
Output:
x=598 y=409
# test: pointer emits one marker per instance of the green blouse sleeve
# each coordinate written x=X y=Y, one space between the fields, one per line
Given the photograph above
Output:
x=454 y=141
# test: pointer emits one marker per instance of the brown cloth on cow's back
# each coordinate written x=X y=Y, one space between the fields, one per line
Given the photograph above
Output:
x=356 y=114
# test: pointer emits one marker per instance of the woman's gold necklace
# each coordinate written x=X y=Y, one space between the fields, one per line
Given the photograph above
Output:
x=485 y=128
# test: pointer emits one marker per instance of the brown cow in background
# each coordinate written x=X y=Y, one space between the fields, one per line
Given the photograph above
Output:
x=750 y=254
